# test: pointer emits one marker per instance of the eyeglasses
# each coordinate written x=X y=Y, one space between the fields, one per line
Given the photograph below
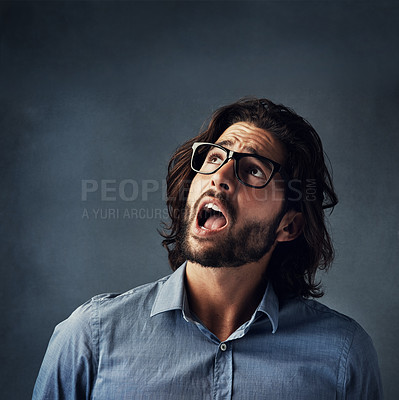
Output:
x=250 y=169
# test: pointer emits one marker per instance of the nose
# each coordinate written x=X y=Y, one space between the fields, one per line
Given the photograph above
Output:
x=224 y=178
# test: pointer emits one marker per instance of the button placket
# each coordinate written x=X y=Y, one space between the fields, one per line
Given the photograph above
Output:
x=223 y=374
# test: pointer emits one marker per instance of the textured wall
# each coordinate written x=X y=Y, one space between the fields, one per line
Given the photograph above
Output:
x=101 y=93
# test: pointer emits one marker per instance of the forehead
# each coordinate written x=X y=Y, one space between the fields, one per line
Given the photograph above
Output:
x=247 y=138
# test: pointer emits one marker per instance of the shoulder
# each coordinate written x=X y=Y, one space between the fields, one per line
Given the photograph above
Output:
x=311 y=313
x=82 y=327
x=340 y=336
x=330 y=328
x=356 y=338
x=70 y=364
x=338 y=322
x=141 y=294
x=114 y=305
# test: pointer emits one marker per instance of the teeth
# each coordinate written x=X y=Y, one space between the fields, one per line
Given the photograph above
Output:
x=214 y=207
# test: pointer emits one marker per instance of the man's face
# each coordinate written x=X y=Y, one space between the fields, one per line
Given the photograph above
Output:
x=228 y=224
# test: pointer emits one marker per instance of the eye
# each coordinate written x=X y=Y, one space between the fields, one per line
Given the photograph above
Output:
x=255 y=171
x=214 y=158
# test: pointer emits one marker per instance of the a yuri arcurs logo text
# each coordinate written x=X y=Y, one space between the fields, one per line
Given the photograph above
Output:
x=104 y=213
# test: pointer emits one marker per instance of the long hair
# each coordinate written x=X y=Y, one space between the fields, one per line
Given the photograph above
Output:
x=309 y=190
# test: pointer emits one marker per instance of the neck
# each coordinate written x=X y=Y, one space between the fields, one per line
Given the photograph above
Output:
x=225 y=298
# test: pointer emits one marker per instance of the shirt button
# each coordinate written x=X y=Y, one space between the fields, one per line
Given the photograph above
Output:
x=223 y=347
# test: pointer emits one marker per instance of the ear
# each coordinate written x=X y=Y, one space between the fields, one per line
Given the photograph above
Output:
x=290 y=227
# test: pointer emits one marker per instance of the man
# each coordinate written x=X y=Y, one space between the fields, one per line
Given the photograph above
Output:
x=246 y=199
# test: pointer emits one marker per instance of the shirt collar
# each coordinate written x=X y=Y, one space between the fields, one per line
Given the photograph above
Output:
x=172 y=297
x=269 y=305
x=172 y=293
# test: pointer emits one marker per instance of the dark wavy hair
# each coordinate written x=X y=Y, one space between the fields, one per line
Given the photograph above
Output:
x=309 y=189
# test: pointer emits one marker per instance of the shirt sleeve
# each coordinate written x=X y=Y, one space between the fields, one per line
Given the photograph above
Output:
x=362 y=374
x=70 y=364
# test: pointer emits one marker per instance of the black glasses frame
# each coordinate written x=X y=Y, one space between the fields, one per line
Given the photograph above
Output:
x=233 y=155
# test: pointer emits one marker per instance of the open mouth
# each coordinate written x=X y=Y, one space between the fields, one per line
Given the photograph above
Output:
x=211 y=217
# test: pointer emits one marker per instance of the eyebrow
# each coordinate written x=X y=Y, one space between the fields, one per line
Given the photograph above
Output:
x=231 y=143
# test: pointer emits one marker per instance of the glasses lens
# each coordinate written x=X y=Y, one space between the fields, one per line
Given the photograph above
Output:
x=207 y=158
x=254 y=172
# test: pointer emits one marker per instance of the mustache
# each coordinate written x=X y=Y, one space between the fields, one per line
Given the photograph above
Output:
x=223 y=199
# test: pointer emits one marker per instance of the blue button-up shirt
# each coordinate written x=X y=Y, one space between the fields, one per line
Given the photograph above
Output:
x=145 y=344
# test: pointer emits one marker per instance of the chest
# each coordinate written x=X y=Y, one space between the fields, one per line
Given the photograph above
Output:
x=196 y=368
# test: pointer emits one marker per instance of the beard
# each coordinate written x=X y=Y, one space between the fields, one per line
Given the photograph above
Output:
x=246 y=245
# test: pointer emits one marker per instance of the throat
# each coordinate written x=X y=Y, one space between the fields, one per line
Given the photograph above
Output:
x=224 y=299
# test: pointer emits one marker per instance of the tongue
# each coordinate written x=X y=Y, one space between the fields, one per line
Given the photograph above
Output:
x=215 y=222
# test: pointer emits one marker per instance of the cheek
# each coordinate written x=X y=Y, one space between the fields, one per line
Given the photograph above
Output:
x=276 y=193
x=272 y=195
x=263 y=203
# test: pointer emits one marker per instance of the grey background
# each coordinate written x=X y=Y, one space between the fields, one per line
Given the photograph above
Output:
x=107 y=90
